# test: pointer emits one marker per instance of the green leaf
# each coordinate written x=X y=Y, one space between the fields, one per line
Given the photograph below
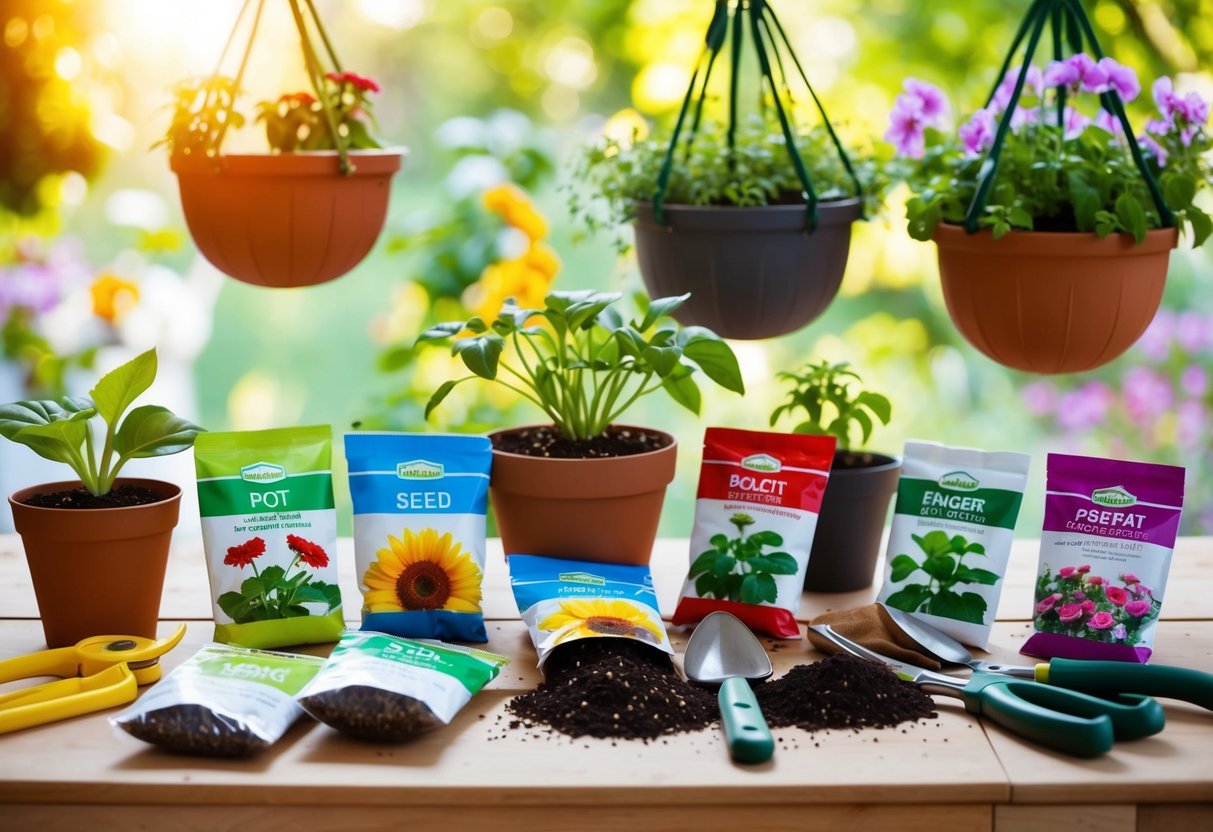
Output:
x=757 y=589
x=663 y=360
x=152 y=430
x=270 y=576
x=903 y=566
x=909 y=598
x=704 y=562
x=1179 y=191
x=969 y=575
x=1131 y=216
x=776 y=563
x=766 y=538
x=934 y=543
x=706 y=586
x=441 y=393
x=53 y=430
x=969 y=607
x=975 y=549
x=878 y=404
x=439 y=332
x=660 y=308
x=1202 y=226
x=682 y=388
x=720 y=541
x=481 y=354
x=940 y=567
x=715 y=357
x=117 y=389
x=723 y=565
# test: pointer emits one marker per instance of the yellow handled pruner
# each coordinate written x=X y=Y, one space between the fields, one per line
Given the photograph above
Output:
x=97 y=673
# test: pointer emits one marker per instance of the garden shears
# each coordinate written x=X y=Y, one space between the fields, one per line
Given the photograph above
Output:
x=1065 y=720
x=96 y=673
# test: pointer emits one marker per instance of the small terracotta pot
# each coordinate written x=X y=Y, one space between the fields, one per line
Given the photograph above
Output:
x=1052 y=302
x=97 y=571
x=290 y=219
x=752 y=272
x=603 y=510
x=846 y=544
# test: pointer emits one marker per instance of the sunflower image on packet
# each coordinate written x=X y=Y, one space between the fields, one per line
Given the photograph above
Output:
x=565 y=600
x=419 y=532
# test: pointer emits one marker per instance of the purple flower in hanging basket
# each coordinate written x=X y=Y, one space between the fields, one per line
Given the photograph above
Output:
x=1165 y=98
x=934 y=104
x=907 y=128
x=1120 y=78
x=1079 y=72
x=977 y=134
x=1155 y=149
x=1035 y=82
x=1109 y=123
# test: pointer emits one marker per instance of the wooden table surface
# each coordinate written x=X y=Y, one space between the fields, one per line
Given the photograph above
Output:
x=955 y=772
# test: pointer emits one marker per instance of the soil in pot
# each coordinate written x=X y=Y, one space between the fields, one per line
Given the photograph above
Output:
x=579 y=501
x=81 y=498
x=846 y=544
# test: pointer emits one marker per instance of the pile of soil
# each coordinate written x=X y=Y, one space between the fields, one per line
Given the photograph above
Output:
x=842 y=691
x=547 y=441
x=124 y=496
x=616 y=688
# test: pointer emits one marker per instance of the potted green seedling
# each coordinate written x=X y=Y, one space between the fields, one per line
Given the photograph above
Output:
x=97 y=547
x=751 y=214
x=847 y=541
x=585 y=486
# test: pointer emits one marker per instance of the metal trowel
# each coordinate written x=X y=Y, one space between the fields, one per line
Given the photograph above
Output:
x=722 y=651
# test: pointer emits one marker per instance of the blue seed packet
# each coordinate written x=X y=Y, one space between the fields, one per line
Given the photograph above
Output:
x=566 y=600
x=419 y=532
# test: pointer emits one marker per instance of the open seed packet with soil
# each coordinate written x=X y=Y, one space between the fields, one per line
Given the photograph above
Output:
x=1105 y=552
x=269 y=527
x=224 y=701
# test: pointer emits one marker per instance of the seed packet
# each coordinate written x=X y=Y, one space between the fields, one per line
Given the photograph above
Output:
x=419 y=531
x=953 y=524
x=269 y=528
x=755 y=516
x=566 y=600
x=382 y=688
x=1109 y=531
x=224 y=701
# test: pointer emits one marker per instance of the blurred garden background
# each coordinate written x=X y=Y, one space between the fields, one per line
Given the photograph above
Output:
x=95 y=261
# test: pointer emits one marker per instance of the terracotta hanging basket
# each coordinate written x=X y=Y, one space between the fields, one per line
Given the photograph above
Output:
x=752 y=272
x=1052 y=302
x=604 y=509
x=289 y=219
x=97 y=571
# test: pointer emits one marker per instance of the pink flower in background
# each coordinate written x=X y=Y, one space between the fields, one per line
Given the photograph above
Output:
x=1191 y=423
x=1069 y=612
x=977 y=134
x=1080 y=596
x=1194 y=380
x=1084 y=569
x=1084 y=408
x=1120 y=78
x=1117 y=595
x=1147 y=395
x=1137 y=609
x=1095 y=580
x=1194 y=331
x=1088 y=606
x=1076 y=122
x=1046 y=605
x=1142 y=590
x=1108 y=122
x=1155 y=342
x=1156 y=150
x=933 y=103
x=1101 y=621
x=1164 y=97
x=1119 y=632
x=907 y=129
x=1077 y=72
x=1034 y=83
x=1040 y=397
x=1066 y=572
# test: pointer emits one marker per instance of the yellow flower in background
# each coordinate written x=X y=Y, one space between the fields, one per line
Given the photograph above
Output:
x=424 y=571
x=543 y=258
x=516 y=208
x=113 y=297
x=599 y=617
x=526 y=279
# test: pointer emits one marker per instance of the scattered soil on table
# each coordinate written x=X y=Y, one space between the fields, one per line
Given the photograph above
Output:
x=547 y=441
x=616 y=688
x=842 y=691
x=124 y=496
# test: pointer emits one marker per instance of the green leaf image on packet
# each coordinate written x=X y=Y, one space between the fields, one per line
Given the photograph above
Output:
x=269 y=528
x=953 y=524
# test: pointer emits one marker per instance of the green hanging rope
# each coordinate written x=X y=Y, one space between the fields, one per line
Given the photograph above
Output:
x=728 y=24
x=1070 y=26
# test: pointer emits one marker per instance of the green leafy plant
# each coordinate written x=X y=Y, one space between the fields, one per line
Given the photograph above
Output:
x=945 y=570
x=579 y=361
x=62 y=430
x=824 y=392
x=737 y=569
x=612 y=175
x=274 y=592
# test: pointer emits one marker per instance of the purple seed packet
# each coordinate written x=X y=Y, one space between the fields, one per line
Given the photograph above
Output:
x=1105 y=553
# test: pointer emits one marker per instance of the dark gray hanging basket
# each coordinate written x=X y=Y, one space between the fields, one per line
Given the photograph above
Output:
x=752 y=272
x=757 y=271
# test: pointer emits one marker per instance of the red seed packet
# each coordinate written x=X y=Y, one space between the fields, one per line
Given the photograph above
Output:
x=755 y=516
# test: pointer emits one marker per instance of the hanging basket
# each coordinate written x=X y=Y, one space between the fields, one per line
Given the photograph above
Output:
x=1053 y=302
x=285 y=219
x=753 y=272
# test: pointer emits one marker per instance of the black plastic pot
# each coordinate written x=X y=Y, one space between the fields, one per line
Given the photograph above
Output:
x=752 y=272
x=853 y=510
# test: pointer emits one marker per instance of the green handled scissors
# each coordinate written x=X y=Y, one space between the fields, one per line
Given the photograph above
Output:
x=1065 y=720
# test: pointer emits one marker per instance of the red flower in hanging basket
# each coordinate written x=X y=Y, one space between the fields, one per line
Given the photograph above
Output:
x=359 y=82
x=303 y=99
x=245 y=553
x=307 y=551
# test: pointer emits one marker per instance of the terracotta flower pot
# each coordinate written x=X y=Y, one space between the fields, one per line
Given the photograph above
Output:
x=603 y=510
x=752 y=272
x=97 y=571
x=846 y=544
x=288 y=219
x=1052 y=302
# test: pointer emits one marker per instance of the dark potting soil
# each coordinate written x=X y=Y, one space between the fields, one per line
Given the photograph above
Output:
x=857 y=459
x=842 y=691
x=547 y=441
x=124 y=496
x=613 y=687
